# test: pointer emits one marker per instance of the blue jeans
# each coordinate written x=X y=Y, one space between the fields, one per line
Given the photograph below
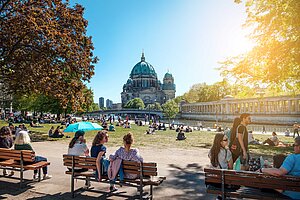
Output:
x=39 y=159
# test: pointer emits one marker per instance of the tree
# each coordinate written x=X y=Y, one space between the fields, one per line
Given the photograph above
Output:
x=135 y=103
x=275 y=60
x=47 y=41
x=170 y=109
x=155 y=106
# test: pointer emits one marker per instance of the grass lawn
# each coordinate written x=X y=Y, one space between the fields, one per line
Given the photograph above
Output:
x=167 y=139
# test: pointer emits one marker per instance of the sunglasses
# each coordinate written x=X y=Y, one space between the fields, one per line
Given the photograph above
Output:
x=225 y=140
x=295 y=145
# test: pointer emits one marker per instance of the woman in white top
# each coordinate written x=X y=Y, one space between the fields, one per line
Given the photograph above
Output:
x=219 y=154
x=77 y=146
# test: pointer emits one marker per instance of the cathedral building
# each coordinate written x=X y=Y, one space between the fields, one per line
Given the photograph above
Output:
x=143 y=84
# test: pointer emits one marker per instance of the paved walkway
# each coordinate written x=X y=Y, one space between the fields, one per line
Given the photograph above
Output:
x=183 y=169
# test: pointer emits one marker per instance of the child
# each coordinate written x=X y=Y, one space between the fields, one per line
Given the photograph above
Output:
x=220 y=156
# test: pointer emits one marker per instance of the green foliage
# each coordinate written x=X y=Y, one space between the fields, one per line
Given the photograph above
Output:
x=42 y=103
x=47 y=41
x=170 y=109
x=135 y=103
x=203 y=93
x=155 y=106
x=94 y=107
x=275 y=59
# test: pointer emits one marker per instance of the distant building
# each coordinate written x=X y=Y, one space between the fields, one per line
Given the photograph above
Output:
x=263 y=110
x=101 y=102
x=143 y=84
x=109 y=104
x=117 y=106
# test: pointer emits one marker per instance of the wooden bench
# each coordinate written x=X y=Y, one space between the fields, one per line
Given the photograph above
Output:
x=21 y=161
x=254 y=185
x=147 y=173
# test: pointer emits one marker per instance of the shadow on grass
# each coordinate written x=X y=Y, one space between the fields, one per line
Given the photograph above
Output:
x=188 y=181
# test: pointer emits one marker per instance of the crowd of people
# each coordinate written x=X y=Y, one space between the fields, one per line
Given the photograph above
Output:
x=231 y=150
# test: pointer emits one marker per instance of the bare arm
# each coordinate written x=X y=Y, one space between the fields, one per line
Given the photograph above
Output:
x=240 y=138
x=274 y=171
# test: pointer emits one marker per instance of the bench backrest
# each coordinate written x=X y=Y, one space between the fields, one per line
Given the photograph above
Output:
x=132 y=167
x=8 y=154
x=252 y=179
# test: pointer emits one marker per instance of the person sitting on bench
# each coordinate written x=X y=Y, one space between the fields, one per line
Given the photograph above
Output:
x=22 y=142
x=290 y=166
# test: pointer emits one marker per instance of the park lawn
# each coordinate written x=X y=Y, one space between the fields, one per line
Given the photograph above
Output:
x=167 y=139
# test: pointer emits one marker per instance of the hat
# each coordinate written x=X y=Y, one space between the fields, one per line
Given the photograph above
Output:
x=79 y=133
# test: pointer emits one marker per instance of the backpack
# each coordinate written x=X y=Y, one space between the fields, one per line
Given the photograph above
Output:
x=235 y=147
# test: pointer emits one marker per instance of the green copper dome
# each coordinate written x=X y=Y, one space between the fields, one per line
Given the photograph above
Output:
x=143 y=68
x=168 y=75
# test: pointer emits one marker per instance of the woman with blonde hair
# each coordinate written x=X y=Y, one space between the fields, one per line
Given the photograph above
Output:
x=22 y=142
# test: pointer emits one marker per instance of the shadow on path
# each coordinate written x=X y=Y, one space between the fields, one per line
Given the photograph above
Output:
x=189 y=181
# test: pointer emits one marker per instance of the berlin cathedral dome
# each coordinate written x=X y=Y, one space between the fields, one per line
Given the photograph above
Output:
x=143 y=84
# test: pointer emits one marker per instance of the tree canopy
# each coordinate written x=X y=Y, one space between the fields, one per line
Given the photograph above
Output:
x=44 y=49
x=43 y=104
x=135 y=103
x=155 y=106
x=275 y=60
x=170 y=109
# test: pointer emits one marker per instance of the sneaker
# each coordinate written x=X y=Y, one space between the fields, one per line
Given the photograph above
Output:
x=46 y=176
x=113 y=189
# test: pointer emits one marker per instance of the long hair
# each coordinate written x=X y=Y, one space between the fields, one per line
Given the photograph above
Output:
x=236 y=122
x=99 y=137
x=75 y=138
x=22 y=138
x=5 y=131
x=215 y=149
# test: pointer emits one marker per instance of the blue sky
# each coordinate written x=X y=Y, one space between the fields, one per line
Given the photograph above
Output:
x=186 y=37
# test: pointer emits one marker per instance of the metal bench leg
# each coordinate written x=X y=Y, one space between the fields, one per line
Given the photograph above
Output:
x=72 y=186
x=141 y=191
x=72 y=177
x=151 y=192
x=21 y=177
x=39 y=174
